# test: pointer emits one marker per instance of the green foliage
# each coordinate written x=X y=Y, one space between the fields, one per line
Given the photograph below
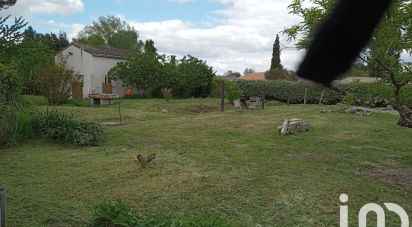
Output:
x=197 y=76
x=378 y=94
x=110 y=31
x=15 y=124
x=150 y=72
x=312 y=16
x=10 y=36
x=289 y=92
x=63 y=128
x=141 y=70
x=231 y=73
x=10 y=86
x=117 y=213
x=55 y=82
x=280 y=74
x=232 y=89
x=11 y=110
x=276 y=64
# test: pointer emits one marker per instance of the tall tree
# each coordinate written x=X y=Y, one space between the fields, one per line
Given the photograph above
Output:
x=392 y=38
x=4 y=4
x=33 y=53
x=276 y=64
x=10 y=36
x=110 y=31
x=149 y=46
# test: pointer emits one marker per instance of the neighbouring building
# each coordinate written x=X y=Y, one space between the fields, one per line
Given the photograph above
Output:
x=253 y=76
x=93 y=64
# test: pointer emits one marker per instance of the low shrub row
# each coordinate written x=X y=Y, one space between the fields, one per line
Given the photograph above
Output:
x=64 y=128
x=290 y=92
x=117 y=213
x=377 y=94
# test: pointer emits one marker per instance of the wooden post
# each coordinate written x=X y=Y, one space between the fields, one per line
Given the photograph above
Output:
x=120 y=112
x=263 y=101
x=2 y=207
x=222 y=98
x=321 y=97
x=306 y=95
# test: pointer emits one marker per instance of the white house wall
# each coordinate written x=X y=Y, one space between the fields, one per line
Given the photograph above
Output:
x=104 y=65
x=94 y=69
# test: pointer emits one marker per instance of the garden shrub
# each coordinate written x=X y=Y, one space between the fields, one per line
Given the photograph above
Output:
x=15 y=124
x=232 y=89
x=13 y=116
x=289 y=92
x=117 y=213
x=377 y=94
x=63 y=128
x=55 y=82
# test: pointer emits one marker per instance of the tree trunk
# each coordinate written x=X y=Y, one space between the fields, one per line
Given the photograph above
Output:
x=405 y=113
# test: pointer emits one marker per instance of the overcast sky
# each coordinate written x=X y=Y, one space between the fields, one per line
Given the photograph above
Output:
x=228 y=34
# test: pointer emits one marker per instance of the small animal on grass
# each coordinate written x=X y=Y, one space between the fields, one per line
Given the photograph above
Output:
x=144 y=160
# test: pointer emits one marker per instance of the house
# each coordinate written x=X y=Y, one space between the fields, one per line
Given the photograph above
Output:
x=253 y=76
x=93 y=64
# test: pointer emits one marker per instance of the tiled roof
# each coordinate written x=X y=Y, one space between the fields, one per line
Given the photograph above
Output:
x=104 y=52
x=253 y=76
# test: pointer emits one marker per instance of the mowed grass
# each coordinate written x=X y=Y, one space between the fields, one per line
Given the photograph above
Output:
x=233 y=164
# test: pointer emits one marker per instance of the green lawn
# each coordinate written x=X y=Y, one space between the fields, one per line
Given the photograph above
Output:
x=234 y=164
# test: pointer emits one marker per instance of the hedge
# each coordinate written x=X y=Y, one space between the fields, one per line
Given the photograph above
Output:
x=377 y=94
x=290 y=92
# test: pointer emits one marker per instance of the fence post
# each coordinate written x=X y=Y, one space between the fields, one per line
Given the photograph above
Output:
x=321 y=98
x=2 y=207
x=306 y=95
x=120 y=112
x=222 y=101
x=263 y=101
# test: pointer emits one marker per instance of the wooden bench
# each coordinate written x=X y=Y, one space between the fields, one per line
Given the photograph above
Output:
x=102 y=99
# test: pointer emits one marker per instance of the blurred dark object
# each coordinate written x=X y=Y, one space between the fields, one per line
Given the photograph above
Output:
x=341 y=38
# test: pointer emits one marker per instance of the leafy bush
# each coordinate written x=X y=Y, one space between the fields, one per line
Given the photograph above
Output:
x=377 y=94
x=232 y=89
x=290 y=92
x=63 y=128
x=187 y=77
x=117 y=213
x=10 y=86
x=15 y=124
x=12 y=112
x=55 y=82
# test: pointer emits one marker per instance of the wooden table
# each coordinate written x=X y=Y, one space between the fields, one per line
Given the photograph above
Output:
x=102 y=99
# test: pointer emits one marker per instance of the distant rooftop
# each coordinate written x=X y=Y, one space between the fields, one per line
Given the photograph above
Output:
x=104 y=52
x=253 y=76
